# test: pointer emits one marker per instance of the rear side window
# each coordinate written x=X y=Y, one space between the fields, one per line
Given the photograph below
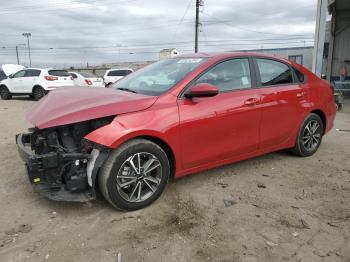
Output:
x=299 y=75
x=32 y=73
x=73 y=75
x=229 y=75
x=273 y=72
x=119 y=73
x=58 y=73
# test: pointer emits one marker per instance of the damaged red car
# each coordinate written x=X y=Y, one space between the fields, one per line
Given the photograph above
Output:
x=169 y=119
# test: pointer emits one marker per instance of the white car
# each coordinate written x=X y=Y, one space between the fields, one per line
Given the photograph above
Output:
x=8 y=69
x=35 y=82
x=87 y=79
x=113 y=75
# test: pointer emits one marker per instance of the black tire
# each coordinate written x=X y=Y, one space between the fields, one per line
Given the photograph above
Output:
x=38 y=93
x=5 y=93
x=114 y=169
x=307 y=147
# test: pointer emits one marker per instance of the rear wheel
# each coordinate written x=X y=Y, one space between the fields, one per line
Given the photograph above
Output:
x=5 y=93
x=310 y=136
x=134 y=175
x=38 y=92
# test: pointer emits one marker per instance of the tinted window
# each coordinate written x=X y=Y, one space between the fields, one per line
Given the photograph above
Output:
x=300 y=76
x=32 y=73
x=73 y=75
x=229 y=75
x=58 y=73
x=119 y=73
x=2 y=75
x=274 y=72
x=19 y=74
x=87 y=74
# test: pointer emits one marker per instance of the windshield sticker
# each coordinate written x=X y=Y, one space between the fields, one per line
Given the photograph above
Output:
x=189 y=61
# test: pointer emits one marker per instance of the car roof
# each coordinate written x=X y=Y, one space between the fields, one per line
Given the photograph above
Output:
x=224 y=55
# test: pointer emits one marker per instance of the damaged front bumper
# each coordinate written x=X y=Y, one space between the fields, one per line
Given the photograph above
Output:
x=61 y=176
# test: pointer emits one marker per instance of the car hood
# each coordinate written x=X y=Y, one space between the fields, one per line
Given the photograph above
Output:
x=11 y=68
x=76 y=104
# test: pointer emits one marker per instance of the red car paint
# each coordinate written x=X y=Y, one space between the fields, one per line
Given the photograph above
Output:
x=202 y=132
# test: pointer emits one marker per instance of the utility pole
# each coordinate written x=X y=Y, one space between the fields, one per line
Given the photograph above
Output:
x=28 y=35
x=17 y=54
x=196 y=27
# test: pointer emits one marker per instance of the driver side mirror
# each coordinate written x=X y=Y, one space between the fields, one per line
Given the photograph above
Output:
x=202 y=90
x=11 y=76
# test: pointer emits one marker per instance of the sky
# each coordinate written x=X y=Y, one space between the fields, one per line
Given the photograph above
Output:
x=76 y=32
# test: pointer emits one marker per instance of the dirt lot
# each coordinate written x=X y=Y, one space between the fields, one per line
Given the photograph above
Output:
x=272 y=208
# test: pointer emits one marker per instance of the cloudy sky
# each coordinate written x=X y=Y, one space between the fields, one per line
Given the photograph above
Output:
x=74 y=32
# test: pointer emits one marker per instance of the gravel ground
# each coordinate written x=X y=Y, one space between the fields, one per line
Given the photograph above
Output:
x=276 y=207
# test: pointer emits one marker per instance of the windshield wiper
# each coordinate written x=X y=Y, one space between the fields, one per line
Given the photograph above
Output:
x=126 y=89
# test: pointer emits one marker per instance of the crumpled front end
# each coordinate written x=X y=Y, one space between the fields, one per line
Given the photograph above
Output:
x=60 y=163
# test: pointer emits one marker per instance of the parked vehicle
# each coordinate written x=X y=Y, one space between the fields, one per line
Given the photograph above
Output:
x=8 y=69
x=113 y=75
x=35 y=82
x=193 y=113
x=87 y=79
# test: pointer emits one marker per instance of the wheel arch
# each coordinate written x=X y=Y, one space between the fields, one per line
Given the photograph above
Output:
x=35 y=86
x=322 y=115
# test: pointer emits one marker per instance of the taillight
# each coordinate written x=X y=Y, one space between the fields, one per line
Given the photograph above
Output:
x=51 y=78
x=88 y=81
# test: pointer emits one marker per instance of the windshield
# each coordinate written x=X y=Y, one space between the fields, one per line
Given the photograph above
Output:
x=159 y=77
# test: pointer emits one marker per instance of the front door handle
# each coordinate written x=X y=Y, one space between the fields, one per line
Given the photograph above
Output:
x=251 y=101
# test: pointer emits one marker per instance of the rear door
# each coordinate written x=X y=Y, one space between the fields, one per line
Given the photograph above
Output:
x=226 y=125
x=282 y=99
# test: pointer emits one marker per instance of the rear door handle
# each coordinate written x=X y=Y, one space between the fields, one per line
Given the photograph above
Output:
x=300 y=94
x=251 y=101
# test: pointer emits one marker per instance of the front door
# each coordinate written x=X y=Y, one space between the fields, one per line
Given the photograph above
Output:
x=225 y=125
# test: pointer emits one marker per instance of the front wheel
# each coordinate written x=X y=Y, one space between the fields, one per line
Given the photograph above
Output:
x=310 y=136
x=5 y=93
x=134 y=175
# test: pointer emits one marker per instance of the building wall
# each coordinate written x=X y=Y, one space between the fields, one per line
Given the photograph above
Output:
x=341 y=47
x=306 y=53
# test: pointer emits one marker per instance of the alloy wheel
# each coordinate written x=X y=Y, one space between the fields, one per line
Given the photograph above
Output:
x=311 y=135
x=139 y=177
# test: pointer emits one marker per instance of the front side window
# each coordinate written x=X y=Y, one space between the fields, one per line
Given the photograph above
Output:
x=159 y=77
x=273 y=72
x=19 y=74
x=229 y=75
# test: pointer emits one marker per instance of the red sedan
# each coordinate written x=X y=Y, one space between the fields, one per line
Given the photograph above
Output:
x=170 y=119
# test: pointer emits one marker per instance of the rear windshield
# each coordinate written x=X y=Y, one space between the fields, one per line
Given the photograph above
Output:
x=119 y=73
x=2 y=75
x=58 y=73
x=87 y=74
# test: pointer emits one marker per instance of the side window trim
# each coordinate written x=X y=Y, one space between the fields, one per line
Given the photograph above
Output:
x=253 y=78
x=258 y=76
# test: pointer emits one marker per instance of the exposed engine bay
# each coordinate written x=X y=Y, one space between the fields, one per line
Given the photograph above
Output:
x=60 y=162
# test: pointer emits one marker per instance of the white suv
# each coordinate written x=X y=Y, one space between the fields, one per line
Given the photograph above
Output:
x=34 y=82
x=113 y=75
